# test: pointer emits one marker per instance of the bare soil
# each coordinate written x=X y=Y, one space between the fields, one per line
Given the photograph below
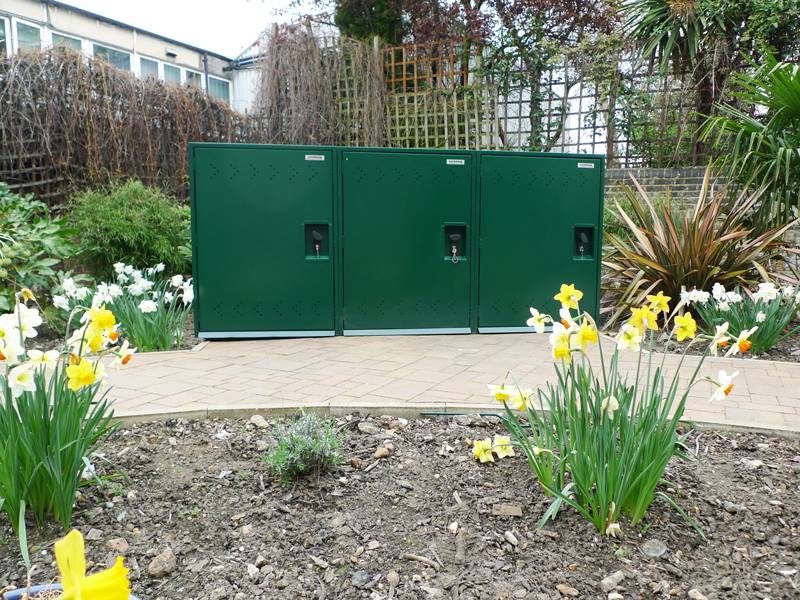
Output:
x=201 y=490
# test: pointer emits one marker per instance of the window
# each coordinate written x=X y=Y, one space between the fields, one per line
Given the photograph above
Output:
x=121 y=60
x=66 y=41
x=172 y=74
x=148 y=68
x=28 y=37
x=3 y=38
x=219 y=88
x=193 y=78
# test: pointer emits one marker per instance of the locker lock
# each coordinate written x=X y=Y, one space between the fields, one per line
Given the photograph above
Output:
x=584 y=242
x=317 y=241
x=316 y=236
x=455 y=238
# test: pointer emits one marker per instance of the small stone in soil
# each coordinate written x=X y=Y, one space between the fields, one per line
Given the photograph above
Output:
x=94 y=535
x=612 y=581
x=506 y=510
x=381 y=452
x=118 y=545
x=368 y=428
x=695 y=594
x=259 y=421
x=566 y=590
x=654 y=548
x=615 y=596
x=360 y=579
x=163 y=564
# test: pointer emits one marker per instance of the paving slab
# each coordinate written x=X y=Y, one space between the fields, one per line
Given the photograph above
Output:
x=413 y=374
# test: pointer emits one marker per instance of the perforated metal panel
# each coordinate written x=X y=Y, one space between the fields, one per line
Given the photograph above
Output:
x=530 y=210
x=254 y=271
x=395 y=208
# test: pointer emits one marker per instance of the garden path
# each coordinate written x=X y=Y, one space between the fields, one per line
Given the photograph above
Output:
x=406 y=375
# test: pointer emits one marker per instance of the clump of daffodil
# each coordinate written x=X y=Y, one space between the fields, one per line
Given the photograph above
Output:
x=644 y=318
x=110 y=584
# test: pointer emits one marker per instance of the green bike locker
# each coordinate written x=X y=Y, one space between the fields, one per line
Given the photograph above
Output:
x=313 y=241
x=262 y=222
x=406 y=227
x=540 y=221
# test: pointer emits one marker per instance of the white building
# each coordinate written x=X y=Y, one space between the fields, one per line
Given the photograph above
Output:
x=39 y=24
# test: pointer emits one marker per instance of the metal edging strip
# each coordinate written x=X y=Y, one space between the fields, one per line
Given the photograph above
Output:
x=216 y=335
x=432 y=331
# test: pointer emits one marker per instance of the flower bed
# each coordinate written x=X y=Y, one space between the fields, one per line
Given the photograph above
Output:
x=200 y=490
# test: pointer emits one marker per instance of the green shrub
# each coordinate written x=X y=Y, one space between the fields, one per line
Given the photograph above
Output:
x=32 y=244
x=310 y=444
x=131 y=223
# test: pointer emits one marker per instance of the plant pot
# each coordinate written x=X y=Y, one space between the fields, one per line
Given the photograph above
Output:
x=17 y=594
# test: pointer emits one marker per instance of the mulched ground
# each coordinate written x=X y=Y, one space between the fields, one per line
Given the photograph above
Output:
x=199 y=491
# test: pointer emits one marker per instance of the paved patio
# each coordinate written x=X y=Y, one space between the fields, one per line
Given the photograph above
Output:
x=408 y=374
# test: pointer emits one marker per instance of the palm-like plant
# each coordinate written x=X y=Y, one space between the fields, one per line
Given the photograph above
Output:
x=668 y=248
x=760 y=143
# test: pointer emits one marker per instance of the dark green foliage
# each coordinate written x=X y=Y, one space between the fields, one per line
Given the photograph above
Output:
x=366 y=18
x=309 y=444
x=131 y=223
x=32 y=244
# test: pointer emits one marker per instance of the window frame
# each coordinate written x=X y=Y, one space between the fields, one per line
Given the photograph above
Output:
x=229 y=99
x=53 y=33
x=197 y=74
x=159 y=68
x=171 y=66
x=15 y=22
x=130 y=55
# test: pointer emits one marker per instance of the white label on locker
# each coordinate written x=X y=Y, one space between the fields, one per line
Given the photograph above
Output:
x=315 y=157
x=455 y=161
x=586 y=165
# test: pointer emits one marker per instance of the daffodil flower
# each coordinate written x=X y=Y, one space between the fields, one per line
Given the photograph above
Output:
x=502 y=446
x=560 y=341
x=48 y=359
x=723 y=385
x=501 y=393
x=538 y=451
x=685 y=327
x=566 y=318
x=111 y=584
x=643 y=319
x=123 y=355
x=520 y=400
x=659 y=303
x=538 y=320
x=609 y=406
x=482 y=450
x=21 y=379
x=629 y=338
x=761 y=317
x=613 y=530
x=81 y=375
x=742 y=343
x=720 y=339
x=587 y=334
x=568 y=296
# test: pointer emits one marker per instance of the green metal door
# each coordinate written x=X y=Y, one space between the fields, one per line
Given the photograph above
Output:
x=540 y=227
x=263 y=223
x=406 y=235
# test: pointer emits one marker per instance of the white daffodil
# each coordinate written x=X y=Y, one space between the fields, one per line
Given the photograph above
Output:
x=724 y=306
x=761 y=317
x=10 y=351
x=788 y=291
x=694 y=297
x=168 y=297
x=609 y=406
x=720 y=339
x=69 y=287
x=176 y=280
x=742 y=343
x=27 y=319
x=135 y=289
x=21 y=379
x=629 y=338
x=48 y=359
x=723 y=385
x=159 y=267
x=114 y=290
x=187 y=295
x=9 y=331
x=767 y=292
x=566 y=319
x=61 y=302
x=81 y=293
x=148 y=306
x=123 y=355
x=733 y=297
x=538 y=320
x=501 y=393
x=119 y=267
x=718 y=291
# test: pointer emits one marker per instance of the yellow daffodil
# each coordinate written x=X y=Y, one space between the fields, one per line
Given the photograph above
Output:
x=538 y=320
x=81 y=374
x=568 y=296
x=609 y=406
x=501 y=393
x=743 y=343
x=587 y=334
x=111 y=584
x=502 y=446
x=659 y=303
x=560 y=341
x=629 y=338
x=723 y=385
x=643 y=319
x=482 y=450
x=685 y=327
x=26 y=294
x=102 y=318
x=520 y=400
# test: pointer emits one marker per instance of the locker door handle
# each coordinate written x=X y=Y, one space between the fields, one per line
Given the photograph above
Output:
x=455 y=242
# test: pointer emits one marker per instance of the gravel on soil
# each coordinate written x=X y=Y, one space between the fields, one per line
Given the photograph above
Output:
x=197 y=515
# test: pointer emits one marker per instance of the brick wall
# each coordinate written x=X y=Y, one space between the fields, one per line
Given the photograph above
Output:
x=684 y=183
